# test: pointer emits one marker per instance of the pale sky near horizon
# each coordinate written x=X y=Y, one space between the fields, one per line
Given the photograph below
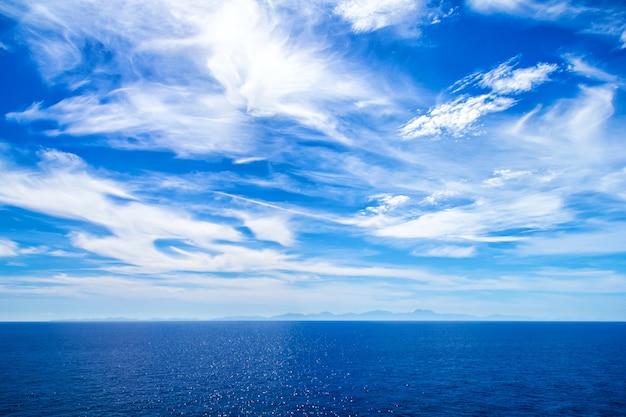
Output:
x=175 y=158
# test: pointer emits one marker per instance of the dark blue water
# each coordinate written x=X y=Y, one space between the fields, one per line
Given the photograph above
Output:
x=313 y=369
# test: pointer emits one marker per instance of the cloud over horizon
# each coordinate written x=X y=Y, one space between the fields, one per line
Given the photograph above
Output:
x=274 y=156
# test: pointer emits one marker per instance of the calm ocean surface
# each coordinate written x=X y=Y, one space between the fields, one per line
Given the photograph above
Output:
x=313 y=369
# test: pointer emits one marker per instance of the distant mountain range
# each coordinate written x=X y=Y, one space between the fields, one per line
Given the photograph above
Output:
x=379 y=315
x=376 y=315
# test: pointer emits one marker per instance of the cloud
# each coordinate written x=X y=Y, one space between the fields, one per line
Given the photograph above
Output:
x=579 y=65
x=142 y=238
x=503 y=175
x=272 y=228
x=480 y=221
x=449 y=251
x=387 y=202
x=438 y=196
x=370 y=15
x=506 y=80
x=193 y=78
x=604 y=19
x=614 y=184
x=607 y=239
x=380 y=214
x=454 y=118
x=543 y=10
x=132 y=227
x=147 y=116
x=571 y=133
x=8 y=248
x=297 y=175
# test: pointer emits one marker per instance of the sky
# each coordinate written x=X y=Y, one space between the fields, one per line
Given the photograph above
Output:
x=185 y=159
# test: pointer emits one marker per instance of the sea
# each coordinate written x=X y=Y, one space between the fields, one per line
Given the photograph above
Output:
x=260 y=368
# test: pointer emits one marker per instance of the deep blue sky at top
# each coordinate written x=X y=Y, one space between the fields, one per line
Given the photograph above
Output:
x=172 y=159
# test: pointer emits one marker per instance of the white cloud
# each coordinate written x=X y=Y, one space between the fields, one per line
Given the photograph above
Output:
x=153 y=116
x=605 y=19
x=370 y=15
x=606 y=239
x=134 y=226
x=251 y=159
x=8 y=248
x=447 y=224
x=455 y=117
x=614 y=184
x=506 y=80
x=449 y=251
x=378 y=215
x=579 y=65
x=571 y=133
x=502 y=175
x=272 y=228
x=476 y=222
x=208 y=72
x=544 y=10
x=437 y=196
x=387 y=202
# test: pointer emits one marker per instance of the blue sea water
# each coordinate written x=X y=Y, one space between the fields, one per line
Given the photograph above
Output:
x=313 y=369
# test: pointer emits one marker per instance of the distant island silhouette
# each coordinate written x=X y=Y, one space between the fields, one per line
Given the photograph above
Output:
x=380 y=315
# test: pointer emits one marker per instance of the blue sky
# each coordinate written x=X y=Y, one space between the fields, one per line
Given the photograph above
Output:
x=206 y=159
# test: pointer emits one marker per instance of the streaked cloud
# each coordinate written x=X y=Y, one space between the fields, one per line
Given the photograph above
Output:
x=545 y=10
x=505 y=79
x=369 y=15
x=449 y=251
x=603 y=19
x=478 y=221
x=502 y=175
x=8 y=248
x=220 y=66
x=578 y=65
x=605 y=239
x=454 y=118
x=259 y=157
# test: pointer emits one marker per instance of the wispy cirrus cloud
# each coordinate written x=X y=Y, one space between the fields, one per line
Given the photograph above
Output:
x=132 y=227
x=147 y=116
x=197 y=75
x=406 y=16
x=289 y=185
x=8 y=248
x=545 y=10
x=148 y=238
x=602 y=239
x=212 y=295
x=456 y=117
x=370 y=15
x=448 y=251
x=579 y=65
x=501 y=176
x=557 y=149
x=507 y=79
x=603 y=19
x=478 y=222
